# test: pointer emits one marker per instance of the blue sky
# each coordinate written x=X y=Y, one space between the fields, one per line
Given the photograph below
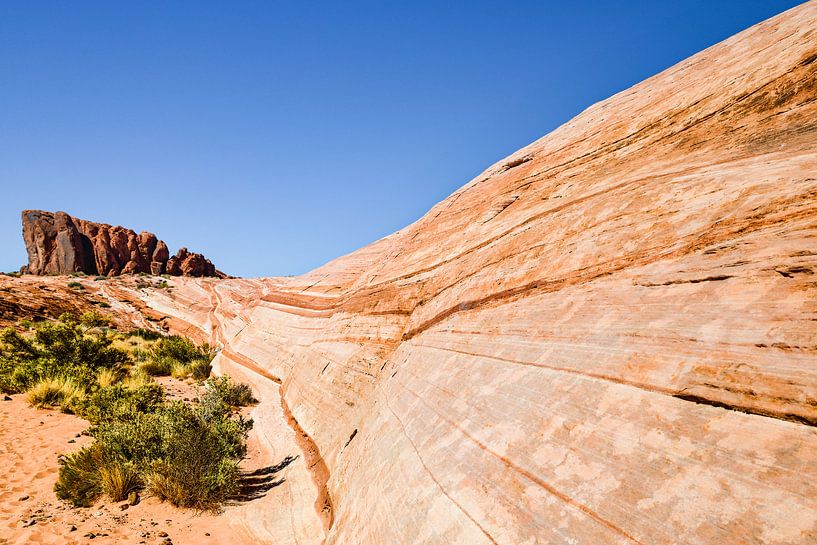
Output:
x=275 y=136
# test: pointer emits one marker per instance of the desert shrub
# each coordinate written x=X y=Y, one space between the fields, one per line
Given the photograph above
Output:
x=136 y=378
x=139 y=439
x=90 y=472
x=55 y=392
x=79 y=480
x=7 y=384
x=200 y=369
x=178 y=356
x=100 y=278
x=188 y=455
x=184 y=454
x=194 y=476
x=181 y=349
x=109 y=377
x=56 y=349
x=146 y=334
x=139 y=355
x=94 y=319
x=223 y=390
x=75 y=285
x=118 y=479
x=179 y=371
x=158 y=367
x=119 y=402
x=202 y=450
x=104 y=304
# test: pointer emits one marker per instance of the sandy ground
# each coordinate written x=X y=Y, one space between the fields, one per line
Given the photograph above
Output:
x=30 y=442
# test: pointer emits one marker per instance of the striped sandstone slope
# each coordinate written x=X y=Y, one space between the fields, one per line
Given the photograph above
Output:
x=608 y=337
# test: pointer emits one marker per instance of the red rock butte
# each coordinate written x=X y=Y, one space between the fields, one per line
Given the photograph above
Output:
x=609 y=337
x=61 y=244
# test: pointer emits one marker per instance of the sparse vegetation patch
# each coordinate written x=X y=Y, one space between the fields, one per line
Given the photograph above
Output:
x=184 y=453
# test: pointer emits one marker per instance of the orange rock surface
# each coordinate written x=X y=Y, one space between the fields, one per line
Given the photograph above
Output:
x=608 y=337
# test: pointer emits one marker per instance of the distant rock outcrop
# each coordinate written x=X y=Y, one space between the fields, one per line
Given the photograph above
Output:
x=58 y=243
x=186 y=264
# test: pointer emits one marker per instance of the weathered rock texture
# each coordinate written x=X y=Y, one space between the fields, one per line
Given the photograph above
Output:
x=61 y=244
x=608 y=337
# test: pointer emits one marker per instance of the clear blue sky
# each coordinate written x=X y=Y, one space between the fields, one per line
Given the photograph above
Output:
x=275 y=136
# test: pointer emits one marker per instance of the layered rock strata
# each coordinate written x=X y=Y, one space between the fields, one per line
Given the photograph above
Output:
x=61 y=244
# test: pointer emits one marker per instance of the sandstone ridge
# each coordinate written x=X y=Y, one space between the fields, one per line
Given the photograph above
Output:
x=61 y=244
x=608 y=337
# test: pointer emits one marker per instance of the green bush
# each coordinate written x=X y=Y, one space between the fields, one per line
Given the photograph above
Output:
x=158 y=367
x=75 y=285
x=94 y=319
x=119 y=402
x=118 y=479
x=109 y=377
x=79 y=479
x=223 y=390
x=180 y=357
x=200 y=369
x=90 y=472
x=139 y=355
x=55 y=349
x=146 y=334
x=56 y=392
x=187 y=455
x=137 y=378
x=181 y=349
x=199 y=466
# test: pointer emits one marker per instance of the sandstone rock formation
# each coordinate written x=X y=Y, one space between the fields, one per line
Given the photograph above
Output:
x=60 y=244
x=186 y=264
x=608 y=337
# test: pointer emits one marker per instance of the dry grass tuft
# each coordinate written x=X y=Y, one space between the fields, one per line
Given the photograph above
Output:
x=54 y=392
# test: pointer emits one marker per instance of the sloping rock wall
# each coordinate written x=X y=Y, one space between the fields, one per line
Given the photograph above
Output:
x=608 y=337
